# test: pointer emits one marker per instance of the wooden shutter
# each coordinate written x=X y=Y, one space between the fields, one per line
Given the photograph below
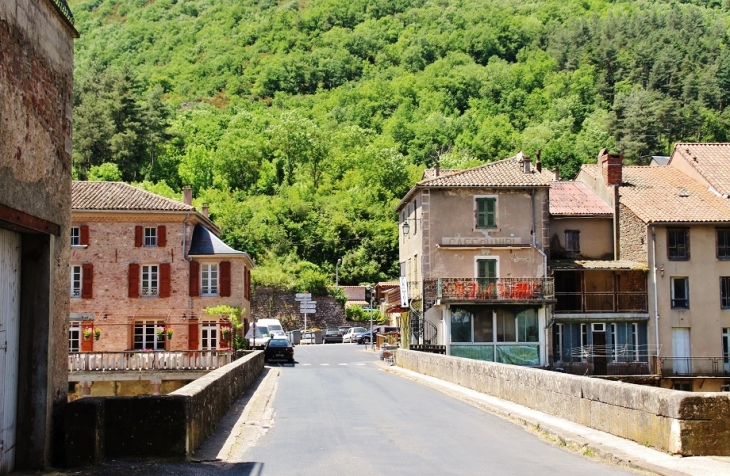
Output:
x=133 y=280
x=87 y=345
x=161 y=236
x=487 y=268
x=193 y=335
x=225 y=277
x=194 y=278
x=87 y=281
x=481 y=213
x=138 y=236
x=84 y=235
x=165 y=280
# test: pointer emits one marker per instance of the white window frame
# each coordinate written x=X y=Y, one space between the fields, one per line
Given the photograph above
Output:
x=150 y=340
x=208 y=341
x=74 y=336
x=77 y=278
x=75 y=236
x=149 y=236
x=150 y=280
x=207 y=286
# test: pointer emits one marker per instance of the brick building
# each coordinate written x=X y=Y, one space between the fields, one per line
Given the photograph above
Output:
x=36 y=92
x=143 y=269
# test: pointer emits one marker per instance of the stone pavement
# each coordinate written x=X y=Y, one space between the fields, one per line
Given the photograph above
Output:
x=577 y=437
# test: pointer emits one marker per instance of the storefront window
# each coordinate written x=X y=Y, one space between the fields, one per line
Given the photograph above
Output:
x=527 y=326
x=505 y=326
x=461 y=326
x=483 y=326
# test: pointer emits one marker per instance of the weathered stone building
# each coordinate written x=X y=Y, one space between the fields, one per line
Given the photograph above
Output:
x=36 y=83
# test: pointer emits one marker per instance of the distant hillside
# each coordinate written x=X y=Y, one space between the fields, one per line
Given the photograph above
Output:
x=304 y=122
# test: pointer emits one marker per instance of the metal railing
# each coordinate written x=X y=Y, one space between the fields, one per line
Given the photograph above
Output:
x=134 y=360
x=694 y=366
x=601 y=302
x=490 y=289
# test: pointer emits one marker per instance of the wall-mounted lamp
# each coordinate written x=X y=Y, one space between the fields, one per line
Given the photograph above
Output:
x=406 y=226
x=185 y=317
x=661 y=271
x=105 y=316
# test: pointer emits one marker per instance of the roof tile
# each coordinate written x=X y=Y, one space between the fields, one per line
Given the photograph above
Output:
x=576 y=198
x=119 y=196
x=712 y=161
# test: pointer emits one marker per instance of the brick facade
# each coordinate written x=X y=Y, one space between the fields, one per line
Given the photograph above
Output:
x=632 y=236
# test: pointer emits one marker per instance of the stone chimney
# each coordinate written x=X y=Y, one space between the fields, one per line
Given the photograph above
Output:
x=187 y=195
x=205 y=210
x=612 y=167
x=557 y=173
x=524 y=162
x=538 y=163
x=437 y=168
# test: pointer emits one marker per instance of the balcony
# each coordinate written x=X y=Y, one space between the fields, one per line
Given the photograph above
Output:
x=149 y=361
x=601 y=292
x=486 y=290
x=694 y=366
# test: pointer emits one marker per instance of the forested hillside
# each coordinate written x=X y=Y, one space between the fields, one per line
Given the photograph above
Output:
x=304 y=122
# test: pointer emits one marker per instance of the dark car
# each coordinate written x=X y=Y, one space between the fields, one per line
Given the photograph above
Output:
x=362 y=338
x=332 y=334
x=279 y=349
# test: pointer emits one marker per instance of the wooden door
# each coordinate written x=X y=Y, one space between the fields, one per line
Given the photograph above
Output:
x=9 y=335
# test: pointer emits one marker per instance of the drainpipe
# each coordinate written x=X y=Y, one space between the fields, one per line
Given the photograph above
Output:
x=656 y=300
x=185 y=256
x=544 y=274
x=616 y=224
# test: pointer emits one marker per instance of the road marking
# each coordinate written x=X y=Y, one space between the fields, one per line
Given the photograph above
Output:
x=360 y=364
x=341 y=364
x=306 y=364
x=323 y=364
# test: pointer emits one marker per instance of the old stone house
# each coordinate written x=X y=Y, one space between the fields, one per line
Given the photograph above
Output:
x=143 y=271
x=474 y=248
x=36 y=84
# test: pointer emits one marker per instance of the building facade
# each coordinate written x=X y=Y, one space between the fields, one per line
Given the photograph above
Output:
x=145 y=272
x=36 y=88
x=474 y=250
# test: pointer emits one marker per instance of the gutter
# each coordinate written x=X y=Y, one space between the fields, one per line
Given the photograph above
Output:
x=656 y=299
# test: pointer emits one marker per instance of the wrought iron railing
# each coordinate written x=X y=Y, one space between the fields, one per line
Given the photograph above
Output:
x=65 y=10
x=489 y=289
x=135 y=360
x=694 y=366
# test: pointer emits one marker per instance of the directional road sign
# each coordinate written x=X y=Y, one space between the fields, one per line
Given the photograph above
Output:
x=308 y=305
x=308 y=311
x=303 y=296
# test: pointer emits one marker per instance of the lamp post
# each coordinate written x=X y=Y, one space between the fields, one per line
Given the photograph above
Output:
x=372 y=337
x=337 y=273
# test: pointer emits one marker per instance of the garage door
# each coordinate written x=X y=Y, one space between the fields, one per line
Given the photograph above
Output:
x=9 y=322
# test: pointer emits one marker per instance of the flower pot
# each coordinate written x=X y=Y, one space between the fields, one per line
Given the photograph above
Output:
x=96 y=337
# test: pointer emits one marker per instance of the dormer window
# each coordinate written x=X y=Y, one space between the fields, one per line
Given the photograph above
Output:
x=150 y=236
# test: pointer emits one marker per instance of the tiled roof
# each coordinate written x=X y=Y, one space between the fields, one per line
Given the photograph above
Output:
x=431 y=173
x=712 y=161
x=576 y=198
x=505 y=173
x=119 y=196
x=597 y=264
x=664 y=194
x=204 y=242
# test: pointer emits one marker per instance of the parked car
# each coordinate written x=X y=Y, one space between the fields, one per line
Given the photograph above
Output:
x=344 y=329
x=278 y=349
x=363 y=337
x=331 y=334
x=350 y=334
x=259 y=339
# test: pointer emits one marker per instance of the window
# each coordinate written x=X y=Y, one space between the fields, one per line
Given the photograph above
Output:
x=209 y=279
x=558 y=337
x=725 y=292
x=678 y=244
x=723 y=243
x=486 y=212
x=147 y=337
x=572 y=241
x=461 y=326
x=76 y=281
x=726 y=345
x=150 y=236
x=75 y=236
x=74 y=337
x=149 y=280
x=209 y=335
x=680 y=293
x=683 y=386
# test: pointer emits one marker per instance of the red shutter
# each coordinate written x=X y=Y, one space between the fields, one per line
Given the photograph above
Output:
x=138 y=236
x=225 y=267
x=87 y=281
x=84 y=235
x=87 y=344
x=161 y=236
x=193 y=335
x=133 y=280
x=194 y=278
x=165 y=280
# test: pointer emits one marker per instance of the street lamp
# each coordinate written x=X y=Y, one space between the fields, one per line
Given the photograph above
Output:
x=369 y=291
x=337 y=273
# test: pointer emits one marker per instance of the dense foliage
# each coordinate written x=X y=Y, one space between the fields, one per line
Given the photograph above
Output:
x=302 y=123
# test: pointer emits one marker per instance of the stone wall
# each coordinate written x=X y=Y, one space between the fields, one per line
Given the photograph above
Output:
x=632 y=236
x=273 y=303
x=684 y=423
x=165 y=426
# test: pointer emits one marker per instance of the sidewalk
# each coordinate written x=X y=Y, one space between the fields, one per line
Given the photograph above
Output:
x=577 y=437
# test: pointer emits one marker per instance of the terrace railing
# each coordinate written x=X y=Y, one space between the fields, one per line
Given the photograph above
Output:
x=489 y=289
x=135 y=360
x=694 y=366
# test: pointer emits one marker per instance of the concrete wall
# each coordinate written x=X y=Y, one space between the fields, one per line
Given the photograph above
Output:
x=689 y=424
x=165 y=426
x=36 y=88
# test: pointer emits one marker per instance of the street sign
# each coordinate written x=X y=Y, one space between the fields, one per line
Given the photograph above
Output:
x=303 y=296
x=308 y=305
x=308 y=311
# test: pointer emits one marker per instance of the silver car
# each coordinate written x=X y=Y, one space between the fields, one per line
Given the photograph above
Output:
x=350 y=334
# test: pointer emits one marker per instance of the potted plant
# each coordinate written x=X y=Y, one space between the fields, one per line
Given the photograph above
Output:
x=97 y=333
x=225 y=332
x=87 y=333
x=160 y=331
x=170 y=331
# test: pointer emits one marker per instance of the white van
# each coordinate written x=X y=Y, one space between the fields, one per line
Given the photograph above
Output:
x=265 y=330
x=272 y=324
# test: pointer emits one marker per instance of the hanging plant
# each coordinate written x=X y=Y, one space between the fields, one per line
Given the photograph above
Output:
x=225 y=332
x=170 y=331
x=87 y=333
x=97 y=333
x=160 y=331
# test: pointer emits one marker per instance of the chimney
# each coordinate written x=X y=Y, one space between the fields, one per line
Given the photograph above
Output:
x=524 y=162
x=538 y=163
x=611 y=166
x=187 y=195
x=437 y=168
x=557 y=174
x=205 y=210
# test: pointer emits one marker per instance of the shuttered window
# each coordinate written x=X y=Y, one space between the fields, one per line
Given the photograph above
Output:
x=150 y=236
x=194 y=283
x=75 y=236
x=161 y=236
x=84 y=235
x=138 y=236
x=225 y=268
x=76 y=281
x=150 y=280
x=486 y=212
x=87 y=281
x=193 y=335
x=572 y=241
x=165 y=280
x=133 y=280
x=678 y=244
x=209 y=279
x=487 y=268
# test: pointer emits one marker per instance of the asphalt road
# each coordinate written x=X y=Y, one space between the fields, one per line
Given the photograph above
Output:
x=335 y=412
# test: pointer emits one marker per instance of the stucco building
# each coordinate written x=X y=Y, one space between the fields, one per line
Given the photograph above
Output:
x=143 y=271
x=474 y=250
x=36 y=85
